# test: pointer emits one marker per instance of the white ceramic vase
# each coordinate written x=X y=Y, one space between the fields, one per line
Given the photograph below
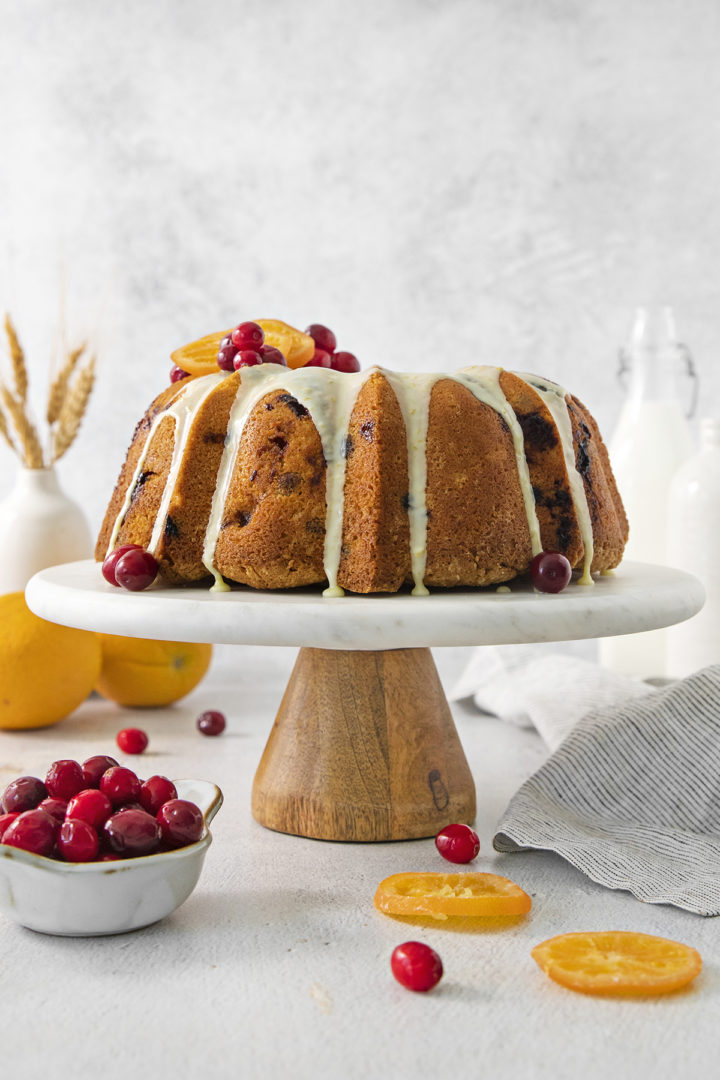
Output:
x=39 y=526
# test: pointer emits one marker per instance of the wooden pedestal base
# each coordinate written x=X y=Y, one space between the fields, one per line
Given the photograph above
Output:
x=363 y=748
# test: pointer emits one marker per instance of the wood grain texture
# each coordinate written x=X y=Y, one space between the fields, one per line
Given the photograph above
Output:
x=363 y=748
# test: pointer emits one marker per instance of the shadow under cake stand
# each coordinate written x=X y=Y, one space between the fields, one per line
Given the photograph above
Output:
x=364 y=746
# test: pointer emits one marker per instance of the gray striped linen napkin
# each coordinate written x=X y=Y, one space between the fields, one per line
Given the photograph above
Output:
x=631 y=797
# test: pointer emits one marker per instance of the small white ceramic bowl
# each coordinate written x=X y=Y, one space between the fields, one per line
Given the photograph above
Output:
x=87 y=899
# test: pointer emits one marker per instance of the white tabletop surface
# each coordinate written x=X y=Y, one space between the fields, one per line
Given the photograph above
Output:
x=278 y=965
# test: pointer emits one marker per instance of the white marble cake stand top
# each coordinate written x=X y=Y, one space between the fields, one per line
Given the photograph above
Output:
x=636 y=597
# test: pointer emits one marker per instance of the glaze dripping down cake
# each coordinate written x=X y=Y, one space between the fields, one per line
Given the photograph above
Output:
x=273 y=478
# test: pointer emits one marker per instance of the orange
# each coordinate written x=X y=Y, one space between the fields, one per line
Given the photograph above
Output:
x=618 y=962
x=46 y=670
x=144 y=673
x=443 y=895
x=200 y=357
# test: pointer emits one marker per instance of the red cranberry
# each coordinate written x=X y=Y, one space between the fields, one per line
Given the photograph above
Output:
x=132 y=832
x=132 y=740
x=56 y=808
x=181 y=822
x=136 y=570
x=345 y=361
x=90 y=805
x=64 y=779
x=211 y=722
x=416 y=966
x=95 y=766
x=457 y=843
x=23 y=794
x=323 y=338
x=550 y=572
x=78 y=841
x=108 y=856
x=177 y=374
x=121 y=785
x=320 y=358
x=155 y=791
x=108 y=567
x=5 y=820
x=247 y=358
x=33 y=830
x=270 y=355
x=248 y=335
x=226 y=356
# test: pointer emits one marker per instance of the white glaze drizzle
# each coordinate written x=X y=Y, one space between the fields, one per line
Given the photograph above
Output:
x=182 y=409
x=555 y=397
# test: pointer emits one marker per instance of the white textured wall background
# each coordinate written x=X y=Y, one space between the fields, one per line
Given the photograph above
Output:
x=442 y=181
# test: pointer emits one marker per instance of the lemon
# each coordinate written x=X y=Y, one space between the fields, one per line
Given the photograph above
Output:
x=46 y=670
x=144 y=673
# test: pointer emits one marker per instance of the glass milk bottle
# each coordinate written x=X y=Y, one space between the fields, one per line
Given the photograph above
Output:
x=693 y=530
x=652 y=440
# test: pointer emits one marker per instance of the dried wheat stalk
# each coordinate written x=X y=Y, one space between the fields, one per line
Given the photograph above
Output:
x=17 y=359
x=4 y=431
x=31 y=450
x=59 y=388
x=72 y=411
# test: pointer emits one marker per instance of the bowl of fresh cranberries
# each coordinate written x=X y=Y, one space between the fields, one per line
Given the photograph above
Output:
x=94 y=849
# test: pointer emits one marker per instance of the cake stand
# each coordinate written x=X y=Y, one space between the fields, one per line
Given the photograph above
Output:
x=363 y=746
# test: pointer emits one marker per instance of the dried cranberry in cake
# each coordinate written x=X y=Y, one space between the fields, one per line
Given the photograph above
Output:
x=457 y=843
x=136 y=570
x=56 y=808
x=155 y=791
x=95 y=766
x=550 y=572
x=177 y=374
x=90 y=805
x=270 y=355
x=23 y=794
x=324 y=339
x=246 y=358
x=108 y=567
x=345 y=361
x=64 y=779
x=320 y=359
x=248 y=335
x=121 y=785
x=416 y=966
x=131 y=833
x=211 y=722
x=5 y=821
x=78 y=841
x=181 y=822
x=132 y=740
x=33 y=830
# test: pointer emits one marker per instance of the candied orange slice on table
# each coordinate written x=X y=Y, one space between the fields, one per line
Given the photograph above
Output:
x=618 y=962
x=444 y=895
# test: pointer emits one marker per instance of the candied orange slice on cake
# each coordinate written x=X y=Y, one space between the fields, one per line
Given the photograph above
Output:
x=618 y=962
x=200 y=357
x=444 y=895
x=296 y=347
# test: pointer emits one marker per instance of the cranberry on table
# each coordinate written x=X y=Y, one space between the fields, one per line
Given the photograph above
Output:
x=416 y=966
x=211 y=722
x=121 y=785
x=64 y=779
x=23 y=794
x=181 y=822
x=320 y=358
x=270 y=355
x=132 y=740
x=457 y=843
x=345 y=361
x=78 y=841
x=34 y=831
x=155 y=791
x=248 y=335
x=5 y=820
x=91 y=806
x=177 y=374
x=56 y=808
x=322 y=336
x=132 y=833
x=136 y=570
x=246 y=358
x=108 y=566
x=550 y=572
x=95 y=766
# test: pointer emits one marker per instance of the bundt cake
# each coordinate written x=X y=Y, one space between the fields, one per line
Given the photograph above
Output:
x=272 y=477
